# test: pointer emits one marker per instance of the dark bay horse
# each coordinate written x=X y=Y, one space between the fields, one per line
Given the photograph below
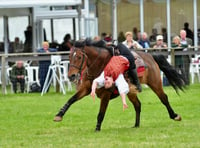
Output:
x=88 y=60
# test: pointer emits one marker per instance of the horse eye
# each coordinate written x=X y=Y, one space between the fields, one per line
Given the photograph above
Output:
x=79 y=58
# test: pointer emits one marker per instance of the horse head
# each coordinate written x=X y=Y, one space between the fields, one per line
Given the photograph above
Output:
x=78 y=64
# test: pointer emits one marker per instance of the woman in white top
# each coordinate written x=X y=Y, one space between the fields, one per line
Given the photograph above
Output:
x=130 y=43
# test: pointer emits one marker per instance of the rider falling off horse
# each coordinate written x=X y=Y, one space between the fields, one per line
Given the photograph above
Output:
x=113 y=74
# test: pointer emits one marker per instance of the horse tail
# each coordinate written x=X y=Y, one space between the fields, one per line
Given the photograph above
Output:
x=175 y=79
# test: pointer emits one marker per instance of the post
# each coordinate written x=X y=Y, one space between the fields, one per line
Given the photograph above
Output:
x=172 y=56
x=195 y=24
x=114 y=19
x=6 y=37
x=79 y=20
x=141 y=16
x=3 y=74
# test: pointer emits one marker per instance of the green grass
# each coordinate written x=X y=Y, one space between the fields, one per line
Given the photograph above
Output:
x=26 y=120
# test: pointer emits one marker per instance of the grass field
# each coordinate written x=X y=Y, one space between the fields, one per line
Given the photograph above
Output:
x=26 y=120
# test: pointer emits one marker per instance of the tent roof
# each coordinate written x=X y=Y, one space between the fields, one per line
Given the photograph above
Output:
x=33 y=3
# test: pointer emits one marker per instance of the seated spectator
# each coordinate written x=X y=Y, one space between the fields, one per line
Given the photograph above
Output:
x=144 y=42
x=159 y=42
x=130 y=43
x=121 y=37
x=18 y=74
x=152 y=38
x=66 y=44
x=44 y=65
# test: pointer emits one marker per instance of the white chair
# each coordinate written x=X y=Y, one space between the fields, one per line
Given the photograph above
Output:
x=8 y=72
x=0 y=76
x=194 y=68
x=64 y=73
x=32 y=76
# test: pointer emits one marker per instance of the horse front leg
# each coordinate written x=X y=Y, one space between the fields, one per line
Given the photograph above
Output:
x=103 y=106
x=83 y=91
x=137 y=105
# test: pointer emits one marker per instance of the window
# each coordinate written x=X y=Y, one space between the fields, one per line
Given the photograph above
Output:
x=17 y=26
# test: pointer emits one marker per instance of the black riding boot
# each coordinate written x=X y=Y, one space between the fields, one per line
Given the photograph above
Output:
x=135 y=80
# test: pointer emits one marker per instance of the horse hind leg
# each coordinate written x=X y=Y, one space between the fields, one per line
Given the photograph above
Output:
x=137 y=105
x=158 y=89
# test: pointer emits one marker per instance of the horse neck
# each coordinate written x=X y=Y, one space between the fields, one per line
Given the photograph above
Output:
x=97 y=59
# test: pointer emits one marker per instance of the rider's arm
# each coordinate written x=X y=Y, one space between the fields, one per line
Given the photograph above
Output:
x=97 y=83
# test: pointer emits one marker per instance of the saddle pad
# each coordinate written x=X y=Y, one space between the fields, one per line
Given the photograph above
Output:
x=139 y=62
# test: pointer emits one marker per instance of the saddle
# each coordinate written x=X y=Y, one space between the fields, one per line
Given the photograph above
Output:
x=140 y=64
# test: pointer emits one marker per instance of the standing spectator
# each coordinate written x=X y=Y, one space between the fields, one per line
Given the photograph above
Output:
x=185 y=42
x=44 y=65
x=28 y=39
x=108 y=38
x=18 y=73
x=130 y=43
x=164 y=34
x=144 y=42
x=66 y=44
x=152 y=38
x=17 y=45
x=135 y=33
x=189 y=33
x=121 y=37
x=159 y=42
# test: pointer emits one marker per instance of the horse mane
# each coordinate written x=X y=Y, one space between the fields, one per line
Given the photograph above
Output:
x=88 y=42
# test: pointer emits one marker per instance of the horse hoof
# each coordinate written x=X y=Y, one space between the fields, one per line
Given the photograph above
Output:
x=178 y=118
x=97 y=130
x=57 y=119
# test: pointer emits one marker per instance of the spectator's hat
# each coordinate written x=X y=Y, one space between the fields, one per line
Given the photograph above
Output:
x=128 y=33
x=159 y=37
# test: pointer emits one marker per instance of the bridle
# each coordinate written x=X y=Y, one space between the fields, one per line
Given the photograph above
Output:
x=80 y=68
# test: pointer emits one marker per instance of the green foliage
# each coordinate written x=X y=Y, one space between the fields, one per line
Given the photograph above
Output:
x=26 y=120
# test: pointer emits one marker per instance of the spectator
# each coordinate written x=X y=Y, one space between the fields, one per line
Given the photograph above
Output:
x=18 y=73
x=108 y=38
x=152 y=38
x=17 y=45
x=189 y=33
x=139 y=36
x=130 y=43
x=103 y=35
x=44 y=65
x=135 y=34
x=66 y=44
x=97 y=38
x=121 y=37
x=144 y=42
x=164 y=34
x=159 y=42
x=28 y=39
x=181 y=61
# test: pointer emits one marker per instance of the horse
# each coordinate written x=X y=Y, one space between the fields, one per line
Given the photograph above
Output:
x=87 y=60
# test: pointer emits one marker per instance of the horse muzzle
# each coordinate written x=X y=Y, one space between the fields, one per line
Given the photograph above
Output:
x=74 y=78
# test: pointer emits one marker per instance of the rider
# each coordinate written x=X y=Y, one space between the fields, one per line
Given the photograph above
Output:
x=113 y=74
x=124 y=51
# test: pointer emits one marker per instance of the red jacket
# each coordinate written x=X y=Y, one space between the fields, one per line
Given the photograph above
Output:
x=117 y=65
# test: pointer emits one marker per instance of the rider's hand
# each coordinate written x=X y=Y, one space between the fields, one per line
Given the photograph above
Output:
x=125 y=106
x=93 y=95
